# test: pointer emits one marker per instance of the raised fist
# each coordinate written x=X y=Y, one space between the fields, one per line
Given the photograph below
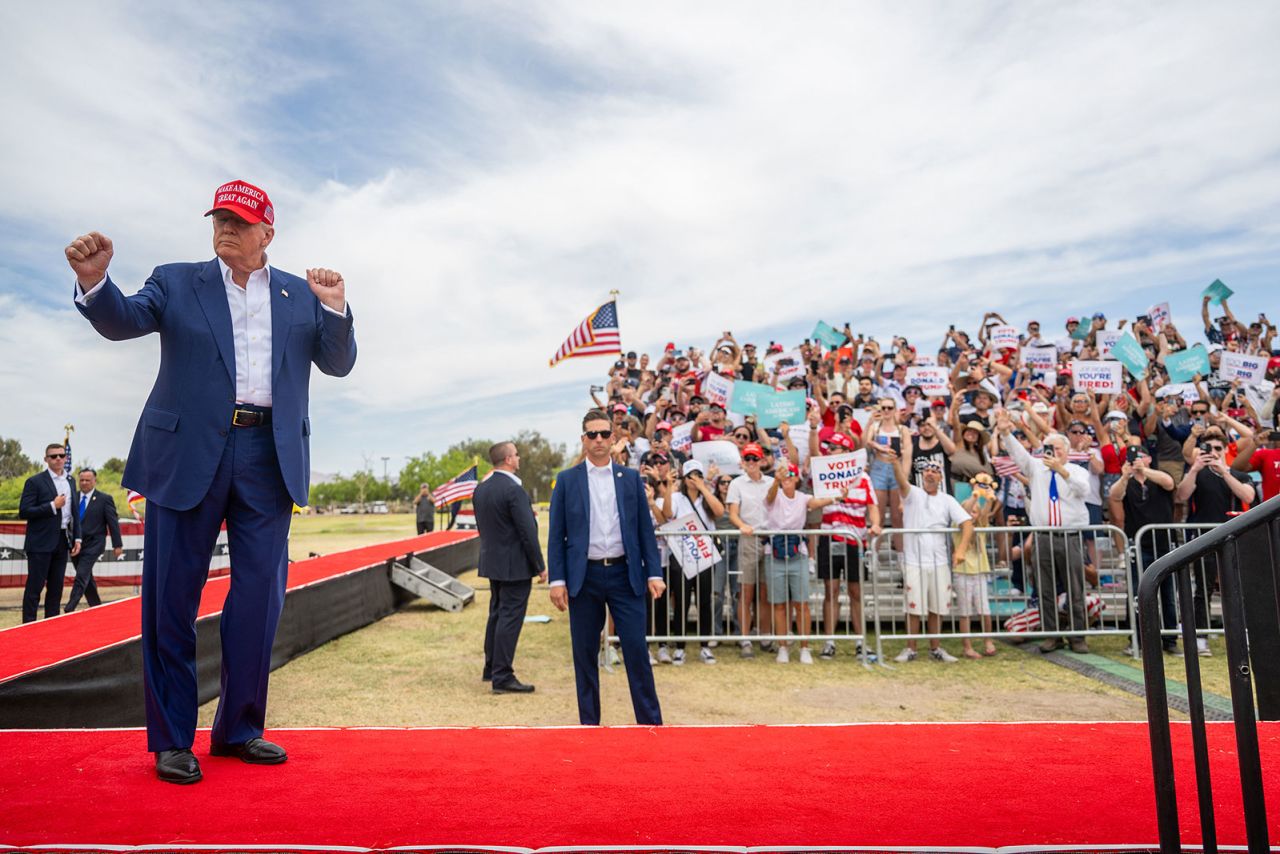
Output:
x=89 y=254
x=328 y=287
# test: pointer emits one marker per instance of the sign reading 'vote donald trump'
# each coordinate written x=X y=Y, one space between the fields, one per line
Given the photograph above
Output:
x=834 y=473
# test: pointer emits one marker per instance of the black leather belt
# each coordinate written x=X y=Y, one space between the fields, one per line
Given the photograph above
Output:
x=608 y=561
x=246 y=415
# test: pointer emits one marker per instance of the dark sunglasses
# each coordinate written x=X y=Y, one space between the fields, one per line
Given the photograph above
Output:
x=750 y=458
x=887 y=409
x=1078 y=432
x=1199 y=412
x=598 y=434
x=742 y=435
x=55 y=456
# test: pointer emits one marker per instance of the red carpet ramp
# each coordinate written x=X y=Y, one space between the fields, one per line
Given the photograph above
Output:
x=940 y=786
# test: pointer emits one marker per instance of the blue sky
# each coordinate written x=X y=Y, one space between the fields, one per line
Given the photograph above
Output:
x=483 y=174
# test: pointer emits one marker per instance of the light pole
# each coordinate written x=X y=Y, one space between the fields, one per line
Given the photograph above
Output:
x=384 y=469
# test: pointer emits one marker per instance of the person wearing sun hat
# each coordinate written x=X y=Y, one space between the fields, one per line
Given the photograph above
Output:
x=224 y=435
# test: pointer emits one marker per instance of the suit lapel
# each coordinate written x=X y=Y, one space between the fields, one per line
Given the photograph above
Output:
x=281 y=320
x=617 y=496
x=584 y=493
x=212 y=295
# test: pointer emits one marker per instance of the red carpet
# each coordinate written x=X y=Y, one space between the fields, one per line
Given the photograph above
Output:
x=24 y=649
x=878 y=784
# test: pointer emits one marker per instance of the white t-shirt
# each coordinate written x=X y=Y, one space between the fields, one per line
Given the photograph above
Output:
x=922 y=510
x=749 y=495
x=789 y=514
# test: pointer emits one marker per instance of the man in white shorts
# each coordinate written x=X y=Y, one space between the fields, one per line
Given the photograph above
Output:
x=747 y=511
x=926 y=566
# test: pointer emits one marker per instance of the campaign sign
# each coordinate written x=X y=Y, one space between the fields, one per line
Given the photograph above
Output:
x=1107 y=339
x=1217 y=292
x=1097 y=377
x=925 y=360
x=1083 y=328
x=1129 y=353
x=746 y=397
x=695 y=552
x=1004 y=337
x=717 y=389
x=779 y=406
x=1040 y=359
x=789 y=364
x=1186 y=391
x=1049 y=378
x=827 y=335
x=682 y=437
x=932 y=381
x=1160 y=316
x=1238 y=366
x=831 y=474
x=1185 y=364
x=721 y=453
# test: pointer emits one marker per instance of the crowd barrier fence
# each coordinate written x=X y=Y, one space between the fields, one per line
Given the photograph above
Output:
x=1152 y=542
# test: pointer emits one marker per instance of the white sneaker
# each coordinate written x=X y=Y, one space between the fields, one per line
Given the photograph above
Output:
x=907 y=654
x=745 y=650
x=613 y=658
x=713 y=644
x=1202 y=648
x=784 y=657
x=707 y=656
x=828 y=651
x=940 y=654
x=678 y=658
x=652 y=660
x=867 y=655
x=664 y=655
x=805 y=656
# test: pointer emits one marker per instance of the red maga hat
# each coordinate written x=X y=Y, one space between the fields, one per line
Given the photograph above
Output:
x=244 y=200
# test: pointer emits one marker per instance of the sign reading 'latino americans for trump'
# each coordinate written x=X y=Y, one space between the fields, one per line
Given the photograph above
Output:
x=834 y=473
x=1097 y=377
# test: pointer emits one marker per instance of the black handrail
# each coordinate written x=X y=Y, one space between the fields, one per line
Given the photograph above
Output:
x=1220 y=544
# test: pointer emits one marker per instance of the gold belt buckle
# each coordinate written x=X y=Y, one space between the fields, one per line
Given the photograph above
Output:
x=235 y=418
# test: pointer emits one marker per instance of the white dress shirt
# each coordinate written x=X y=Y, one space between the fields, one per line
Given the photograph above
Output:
x=64 y=488
x=1071 y=490
x=606 y=527
x=509 y=474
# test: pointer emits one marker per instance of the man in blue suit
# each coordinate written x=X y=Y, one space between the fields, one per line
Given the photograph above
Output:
x=601 y=550
x=224 y=435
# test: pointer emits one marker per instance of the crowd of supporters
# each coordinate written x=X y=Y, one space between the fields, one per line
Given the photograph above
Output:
x=957 y=451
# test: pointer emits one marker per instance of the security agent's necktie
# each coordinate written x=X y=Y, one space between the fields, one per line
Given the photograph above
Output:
x=84 y=502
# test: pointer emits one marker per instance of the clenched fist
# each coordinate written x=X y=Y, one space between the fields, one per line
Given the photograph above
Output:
x=89 y=254
x=59 y=501
x=328 y=287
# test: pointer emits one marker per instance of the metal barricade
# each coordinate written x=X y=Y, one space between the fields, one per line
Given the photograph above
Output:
x=727 y=588
x=1152 y=542
x=1018 y=558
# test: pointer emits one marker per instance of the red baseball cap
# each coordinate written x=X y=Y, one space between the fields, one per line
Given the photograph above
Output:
x=753 y=448
x=244 y=200
x=663 y=425
x=831 y=437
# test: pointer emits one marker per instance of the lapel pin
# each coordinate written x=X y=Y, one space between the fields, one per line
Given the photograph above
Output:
x=283 y=292
x=619 y=474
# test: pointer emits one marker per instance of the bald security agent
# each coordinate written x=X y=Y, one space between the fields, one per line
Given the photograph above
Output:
x=510 y=557
x=601 y=550
x=224 y=435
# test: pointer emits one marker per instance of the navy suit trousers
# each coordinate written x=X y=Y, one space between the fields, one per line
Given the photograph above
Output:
x=610 y=585
x=249 y=493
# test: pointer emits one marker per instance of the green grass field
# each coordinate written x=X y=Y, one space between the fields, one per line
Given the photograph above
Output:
x=421 y=666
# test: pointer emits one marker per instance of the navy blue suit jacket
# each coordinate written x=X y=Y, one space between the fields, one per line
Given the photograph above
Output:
x=570 y=529
x=44 y=524
x=183 y=429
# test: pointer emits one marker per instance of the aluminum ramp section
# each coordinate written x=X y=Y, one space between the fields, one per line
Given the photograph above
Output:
x=436 y=586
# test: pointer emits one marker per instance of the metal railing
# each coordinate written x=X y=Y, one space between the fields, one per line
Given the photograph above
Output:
x=1152 y=542
x=1048 y=556
x=1246 y=551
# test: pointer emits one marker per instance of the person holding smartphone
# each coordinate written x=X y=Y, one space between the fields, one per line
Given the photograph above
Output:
x=1146 y=494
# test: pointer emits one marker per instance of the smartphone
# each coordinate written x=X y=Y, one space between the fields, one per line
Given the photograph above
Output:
x=1131 y=453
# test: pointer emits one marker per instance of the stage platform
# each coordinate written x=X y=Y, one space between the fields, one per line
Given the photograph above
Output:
x=939 y=787
x=85 y=668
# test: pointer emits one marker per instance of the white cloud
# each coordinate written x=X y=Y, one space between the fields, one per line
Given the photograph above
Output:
x=721 y=165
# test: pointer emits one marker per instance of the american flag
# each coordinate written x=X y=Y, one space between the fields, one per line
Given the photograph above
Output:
x=67 y=468
x=595 y=336
x=1005 y=466
x=459 y=489
x=134 y=499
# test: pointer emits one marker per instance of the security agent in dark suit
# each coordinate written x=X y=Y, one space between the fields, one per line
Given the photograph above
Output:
x=509 y=557
x=601 y=550
x=97 y=514
x=53 y=533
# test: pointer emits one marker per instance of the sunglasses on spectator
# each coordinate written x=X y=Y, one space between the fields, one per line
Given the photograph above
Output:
x=742 y=436
x=1078 y=432
x=1195 y=411
x=751 y=458
x=886 y=409
x=598 y=434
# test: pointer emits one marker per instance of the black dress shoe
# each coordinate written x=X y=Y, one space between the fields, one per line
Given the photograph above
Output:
x=512 y=686
x=255 y=751
x=486 y=676
x=178 y=766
